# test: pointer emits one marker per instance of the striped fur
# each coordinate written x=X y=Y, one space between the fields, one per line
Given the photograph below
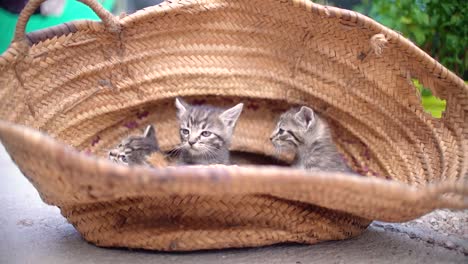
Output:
x=306 y=134
x=134 y=150
x=205 y=132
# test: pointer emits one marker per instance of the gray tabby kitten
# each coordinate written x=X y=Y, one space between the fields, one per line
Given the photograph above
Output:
x=135 y=149
x=308 y=135
x=205 y=132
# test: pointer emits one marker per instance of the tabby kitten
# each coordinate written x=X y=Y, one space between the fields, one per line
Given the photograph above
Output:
x=134 y=150
x=308 y=136
x=205 y=132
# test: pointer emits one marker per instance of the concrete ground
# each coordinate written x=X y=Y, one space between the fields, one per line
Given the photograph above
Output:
x=33 y=232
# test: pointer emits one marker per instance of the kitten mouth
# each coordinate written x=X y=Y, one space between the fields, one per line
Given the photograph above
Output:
x=192 y=149
x=276 y=143
x=281 y=145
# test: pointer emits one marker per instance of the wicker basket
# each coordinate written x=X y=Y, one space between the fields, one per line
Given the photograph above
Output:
x=70 y=92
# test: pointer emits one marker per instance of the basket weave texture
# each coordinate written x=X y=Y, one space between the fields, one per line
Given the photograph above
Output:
x=69 y=93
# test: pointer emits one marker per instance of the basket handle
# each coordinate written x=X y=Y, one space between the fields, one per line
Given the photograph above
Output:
x=111 y=23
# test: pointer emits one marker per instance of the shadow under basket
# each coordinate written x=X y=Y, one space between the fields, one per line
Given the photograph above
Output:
x=69 y=93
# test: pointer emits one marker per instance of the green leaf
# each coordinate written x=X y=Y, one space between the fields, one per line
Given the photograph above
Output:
x=420 y=37
x=406 y=20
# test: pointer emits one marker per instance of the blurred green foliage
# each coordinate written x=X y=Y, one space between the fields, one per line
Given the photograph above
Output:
x=440 y=27
x=431 y=104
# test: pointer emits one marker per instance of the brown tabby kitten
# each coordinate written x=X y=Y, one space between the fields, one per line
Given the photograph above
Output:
x=134 y=150
x=205 y=132
x=308 y=135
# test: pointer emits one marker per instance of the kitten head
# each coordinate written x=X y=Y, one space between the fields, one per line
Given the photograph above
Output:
x=204 y=130
x=134 y=149
x=292 y=127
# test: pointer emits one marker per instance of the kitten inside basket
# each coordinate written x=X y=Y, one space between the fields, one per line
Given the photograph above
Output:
x=205 y=136
x=206 y=133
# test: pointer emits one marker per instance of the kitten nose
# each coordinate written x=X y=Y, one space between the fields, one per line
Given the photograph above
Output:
x=191 y=142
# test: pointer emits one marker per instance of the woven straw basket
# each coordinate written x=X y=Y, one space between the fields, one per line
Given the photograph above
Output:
x=71 y=92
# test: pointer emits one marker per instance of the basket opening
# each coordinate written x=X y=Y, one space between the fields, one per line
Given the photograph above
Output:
x=248 y=158
x=250 y=143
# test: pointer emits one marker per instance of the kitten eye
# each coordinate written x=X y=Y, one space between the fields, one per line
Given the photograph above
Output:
x=280 y=131
x=123 y=158
x=206 y=133
x=184 y=131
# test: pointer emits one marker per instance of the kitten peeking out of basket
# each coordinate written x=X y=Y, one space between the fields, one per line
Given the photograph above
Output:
x=301 y=130
x=205 y=133
x=134 y=150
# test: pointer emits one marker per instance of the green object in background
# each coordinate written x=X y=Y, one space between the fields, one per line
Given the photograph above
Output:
x=439 y=27
x=73 y=10
x=436 y=26
x=430 y=103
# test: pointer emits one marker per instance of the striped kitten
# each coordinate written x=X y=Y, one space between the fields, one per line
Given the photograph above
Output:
x=134 y=150
x=308 y=135
x=205 y=132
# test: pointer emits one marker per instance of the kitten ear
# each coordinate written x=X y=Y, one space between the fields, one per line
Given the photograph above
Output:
x=181 y=106
x=230 y=116
x=150 y=132
x=305 y=116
